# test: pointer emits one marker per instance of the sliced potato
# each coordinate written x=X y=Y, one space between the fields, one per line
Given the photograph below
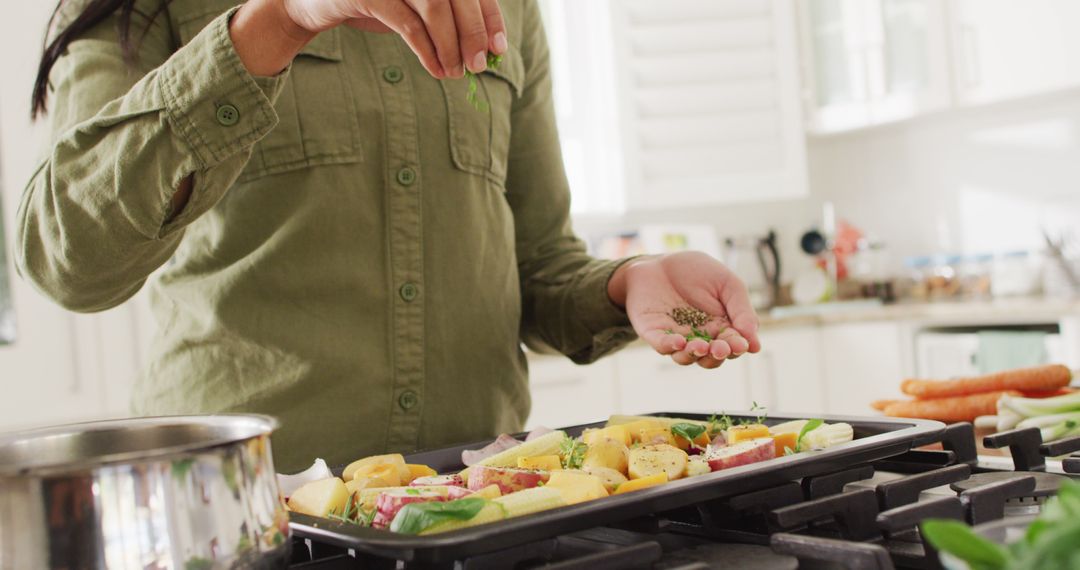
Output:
x=390 y=459
x=319 y=498
x=610 y=477
x=649 y=460
x=607 y=453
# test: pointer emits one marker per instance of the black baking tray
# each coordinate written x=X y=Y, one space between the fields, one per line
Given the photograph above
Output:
x=875 y=438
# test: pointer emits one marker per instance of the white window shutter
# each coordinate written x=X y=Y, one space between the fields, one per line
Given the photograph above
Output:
x=708 y=97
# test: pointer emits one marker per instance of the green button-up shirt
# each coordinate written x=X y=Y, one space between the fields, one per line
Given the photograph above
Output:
x=363 y=252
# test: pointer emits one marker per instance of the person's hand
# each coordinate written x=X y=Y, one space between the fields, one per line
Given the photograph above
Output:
x=447 y=35
x=652 y=288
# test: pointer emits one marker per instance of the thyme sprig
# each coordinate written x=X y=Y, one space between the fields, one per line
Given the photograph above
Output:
x=353 y=514
x=572 y=453
x=472 y=95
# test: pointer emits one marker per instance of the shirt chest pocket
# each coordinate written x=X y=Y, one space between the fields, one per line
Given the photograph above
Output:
x=316 y=121
x=480 y=126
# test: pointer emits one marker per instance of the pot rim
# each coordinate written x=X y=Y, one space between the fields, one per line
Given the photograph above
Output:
x=250 y=426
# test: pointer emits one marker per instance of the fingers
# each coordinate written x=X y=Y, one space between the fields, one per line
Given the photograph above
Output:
x=439 y=20
x=472 y=34
x=735 y=342
x=496 y=29
x=664 y=343
x=692 y=352
x=405 y=22
x=708 y=362
x=741 y=313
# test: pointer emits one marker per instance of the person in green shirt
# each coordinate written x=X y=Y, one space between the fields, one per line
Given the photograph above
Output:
x=335 y=231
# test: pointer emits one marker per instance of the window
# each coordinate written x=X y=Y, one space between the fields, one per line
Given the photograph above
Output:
x=579 y=34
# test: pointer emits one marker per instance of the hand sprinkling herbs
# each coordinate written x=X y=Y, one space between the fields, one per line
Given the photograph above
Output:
x=472 y=96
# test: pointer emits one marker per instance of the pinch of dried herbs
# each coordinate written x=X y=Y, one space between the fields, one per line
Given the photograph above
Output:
x=689 y=317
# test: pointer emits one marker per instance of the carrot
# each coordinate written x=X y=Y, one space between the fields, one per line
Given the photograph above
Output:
x=1034 y=379
x=954 y=409
x=1047 y=393
x=880 y=405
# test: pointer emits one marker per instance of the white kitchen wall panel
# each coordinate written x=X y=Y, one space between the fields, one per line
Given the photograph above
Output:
x=708 y=99
x=649 y=382
x=566 y=394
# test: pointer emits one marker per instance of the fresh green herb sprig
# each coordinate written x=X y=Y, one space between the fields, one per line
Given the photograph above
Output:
x=415 y=518
x=353 y=514
x=572 y=452
x=689 y=432
x=718 y=424
x=762 y=415
x=694 y=334
x=1050 y=541
x=473 y=96
x=808 y=427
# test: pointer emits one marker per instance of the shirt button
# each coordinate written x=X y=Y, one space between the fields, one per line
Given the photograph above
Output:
x=408 y=400
x=393 y=74
x=227 y=115
x=409 y=292
x=406 y=176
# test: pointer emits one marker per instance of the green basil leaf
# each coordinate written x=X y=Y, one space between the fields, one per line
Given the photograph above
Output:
x=958 y=539
x=687 y=431
x=414 y=518
x=809 y=427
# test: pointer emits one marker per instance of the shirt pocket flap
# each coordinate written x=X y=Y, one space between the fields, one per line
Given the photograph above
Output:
x=511 y=70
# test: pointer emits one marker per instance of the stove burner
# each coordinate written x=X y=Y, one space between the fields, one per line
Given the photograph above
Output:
x=1046 y=484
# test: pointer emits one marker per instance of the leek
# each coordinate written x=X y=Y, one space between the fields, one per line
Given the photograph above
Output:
x=1028 y=407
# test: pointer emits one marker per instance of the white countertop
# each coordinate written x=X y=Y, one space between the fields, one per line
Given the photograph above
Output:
x=1020 y=310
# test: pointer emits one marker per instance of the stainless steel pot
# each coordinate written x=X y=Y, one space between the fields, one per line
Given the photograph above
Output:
x=181 y=492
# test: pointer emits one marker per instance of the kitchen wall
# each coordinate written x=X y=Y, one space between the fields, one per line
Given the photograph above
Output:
x=972 y=181
x=969 y=180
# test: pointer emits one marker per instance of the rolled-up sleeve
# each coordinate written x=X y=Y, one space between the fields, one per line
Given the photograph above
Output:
x=95 y=219
x=564 y=291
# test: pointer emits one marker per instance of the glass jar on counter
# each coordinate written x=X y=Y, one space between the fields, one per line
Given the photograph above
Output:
x=974 y=273
x=943 y=282
x=913 y=284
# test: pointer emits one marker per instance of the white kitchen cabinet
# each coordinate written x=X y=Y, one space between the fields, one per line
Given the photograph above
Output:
x=786 y=376
x=565 y=394
x=868 y=62
x=1006 y=49
x=708 y=101
x=862 y=362
x=649 y=382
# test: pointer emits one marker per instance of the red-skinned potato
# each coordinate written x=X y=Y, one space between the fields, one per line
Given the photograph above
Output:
x=742 y=453
x=509 y=479
x=390 y=502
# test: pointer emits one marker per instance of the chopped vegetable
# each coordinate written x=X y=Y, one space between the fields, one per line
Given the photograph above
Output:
x=827 y=435
x=642 y=483
x=531 y=501
x=1037 y=378
x=546 y=444
x=950 y=409
x=417 y=517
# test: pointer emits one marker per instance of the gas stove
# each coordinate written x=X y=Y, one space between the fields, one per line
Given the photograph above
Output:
x=862 y=517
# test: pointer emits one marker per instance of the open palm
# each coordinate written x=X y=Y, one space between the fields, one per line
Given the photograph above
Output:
x=657 y=288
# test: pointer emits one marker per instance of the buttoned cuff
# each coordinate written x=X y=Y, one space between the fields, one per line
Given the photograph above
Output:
x=609 y=323
x=211 y=100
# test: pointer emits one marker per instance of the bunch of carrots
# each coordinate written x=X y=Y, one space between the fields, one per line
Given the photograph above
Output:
x=964 y=399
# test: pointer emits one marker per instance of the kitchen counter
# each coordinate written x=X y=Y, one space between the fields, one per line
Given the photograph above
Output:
x=1019 y=310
